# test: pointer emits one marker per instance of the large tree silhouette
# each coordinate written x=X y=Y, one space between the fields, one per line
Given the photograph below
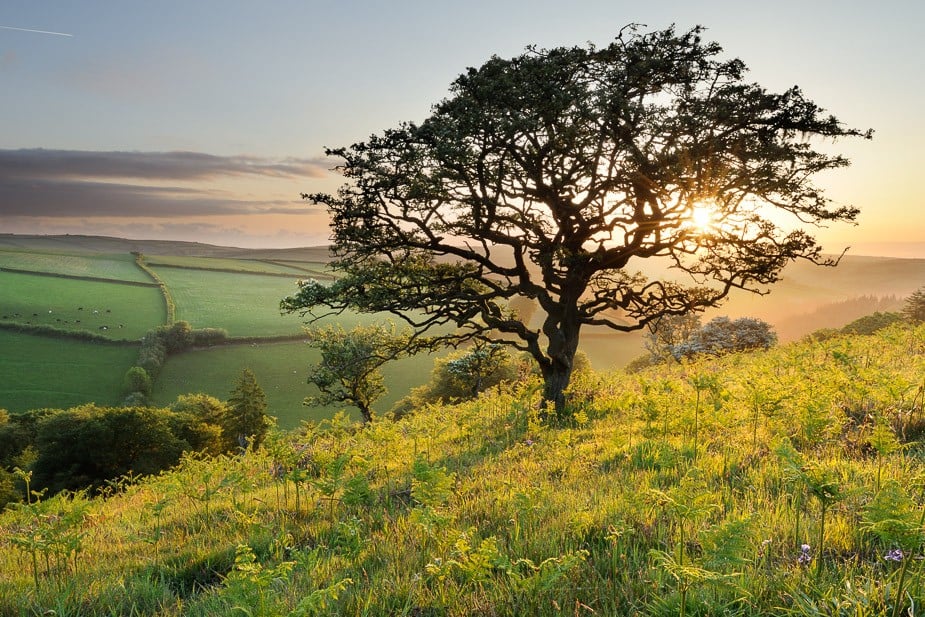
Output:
x=552 y=175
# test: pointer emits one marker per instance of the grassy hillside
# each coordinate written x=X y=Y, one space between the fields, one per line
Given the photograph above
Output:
x=689 y=489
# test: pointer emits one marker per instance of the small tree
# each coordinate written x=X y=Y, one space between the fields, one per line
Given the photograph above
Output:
x=722 y=335
x=914 y=308
x=462 y=375
x=200 y=421
x=246 y=421
x=137 y=380
x=350 y=370
x=665 y=336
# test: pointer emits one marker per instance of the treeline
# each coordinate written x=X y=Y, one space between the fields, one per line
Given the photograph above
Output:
x=51 y=331
x=168 y=299
x=88 y=447
x=156 y=346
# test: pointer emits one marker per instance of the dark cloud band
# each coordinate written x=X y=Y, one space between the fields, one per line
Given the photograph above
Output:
x=41 y=163
x=68 y=183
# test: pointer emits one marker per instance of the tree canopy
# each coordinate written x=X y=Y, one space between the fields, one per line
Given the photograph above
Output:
x=553 y=175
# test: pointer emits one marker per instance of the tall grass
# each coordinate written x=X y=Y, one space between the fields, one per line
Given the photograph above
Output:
x=481 y=509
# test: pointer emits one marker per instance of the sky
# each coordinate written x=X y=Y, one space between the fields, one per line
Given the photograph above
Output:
x=205 y=120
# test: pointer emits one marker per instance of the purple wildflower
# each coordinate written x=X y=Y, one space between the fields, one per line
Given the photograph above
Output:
x=528 y=442
x=894 y=555
x=804 y=557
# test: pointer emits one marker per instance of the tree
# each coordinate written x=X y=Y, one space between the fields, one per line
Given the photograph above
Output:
x=462 y=375
x=246 y=421
x=87 y=445
x=666 y=335
x=350 y=370
x=553 y=174
x=137 y=380
x=914 y=307
x=722 y=335
x=200 y=419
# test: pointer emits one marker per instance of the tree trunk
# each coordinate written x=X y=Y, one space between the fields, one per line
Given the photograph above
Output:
x=556 y=378
x=562 y=332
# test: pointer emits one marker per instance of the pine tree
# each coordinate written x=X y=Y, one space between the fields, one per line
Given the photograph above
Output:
x=914 y=309
x=247 y=422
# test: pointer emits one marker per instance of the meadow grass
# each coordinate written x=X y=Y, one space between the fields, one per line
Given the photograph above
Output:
x=281 y=369
x=481 y=508
x=242 y=304
x=114 y=310
x=118 y=266
x=38 y=372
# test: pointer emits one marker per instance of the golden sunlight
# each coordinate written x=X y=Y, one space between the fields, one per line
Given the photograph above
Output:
x=703 y=217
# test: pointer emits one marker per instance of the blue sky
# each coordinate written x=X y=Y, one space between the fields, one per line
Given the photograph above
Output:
x=205 y=120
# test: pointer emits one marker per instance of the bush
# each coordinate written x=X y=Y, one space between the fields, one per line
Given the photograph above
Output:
x=722 y=335
x=872 y=323
x=463 y=374
x=85 y=446
x=137 y=380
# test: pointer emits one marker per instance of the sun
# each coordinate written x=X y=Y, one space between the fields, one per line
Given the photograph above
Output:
x=703 y=218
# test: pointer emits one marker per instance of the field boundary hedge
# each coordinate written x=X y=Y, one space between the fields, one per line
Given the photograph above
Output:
x=289 y=264
x=159 y=282
x=79 y=277
x=52 y=332
x=292 y=275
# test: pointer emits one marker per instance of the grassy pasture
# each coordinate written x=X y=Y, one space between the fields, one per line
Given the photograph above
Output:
x=281 y=370
x=38 y=371
x=126 y=311
x=242 y=304
x=118 y=266
x=220 y=263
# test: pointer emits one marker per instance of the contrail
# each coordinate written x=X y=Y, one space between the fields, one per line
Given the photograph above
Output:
x=36 y=31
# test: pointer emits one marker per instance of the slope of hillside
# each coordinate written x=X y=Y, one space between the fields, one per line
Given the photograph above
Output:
x=770 y=483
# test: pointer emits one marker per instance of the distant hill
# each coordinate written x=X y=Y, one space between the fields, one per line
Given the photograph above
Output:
x=105 y=244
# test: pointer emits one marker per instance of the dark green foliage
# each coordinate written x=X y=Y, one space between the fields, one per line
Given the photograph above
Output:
x=206 y=337
x=176 y=336
x=137 y=380
x=86 y=446
x=199 y=421
x=247 y=422
x=350 y=370
x=914 y=308
x=548 y=176
x=164 y=340
x=463 y=374
x=872 y=323
x=44 y=330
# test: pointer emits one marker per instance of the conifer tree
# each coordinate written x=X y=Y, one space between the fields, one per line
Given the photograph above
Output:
x=247 y=421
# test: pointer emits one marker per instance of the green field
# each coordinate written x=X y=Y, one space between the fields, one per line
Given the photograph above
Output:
x=115 y=310
x=38 y=371
x=119 y=266
x=242 y=265
x=242 y=304
x=281 y=370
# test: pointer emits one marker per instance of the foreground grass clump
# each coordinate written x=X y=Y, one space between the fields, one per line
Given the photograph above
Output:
x=799 y=492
